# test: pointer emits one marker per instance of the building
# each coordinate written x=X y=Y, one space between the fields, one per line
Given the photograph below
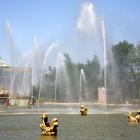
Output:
x=16 y=81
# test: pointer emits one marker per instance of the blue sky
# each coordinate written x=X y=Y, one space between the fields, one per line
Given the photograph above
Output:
x=54 y=20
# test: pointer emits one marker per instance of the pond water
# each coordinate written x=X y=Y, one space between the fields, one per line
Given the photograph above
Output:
x=71 y=127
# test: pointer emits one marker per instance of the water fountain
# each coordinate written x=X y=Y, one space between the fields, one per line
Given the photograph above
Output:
x=21 y=82
x=105 y=62
x=83 y=93
x=45 y=69
x=61 y=84
x=61 y=87
x=14 y=51
x=62 y=81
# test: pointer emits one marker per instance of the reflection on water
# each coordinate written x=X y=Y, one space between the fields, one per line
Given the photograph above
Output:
x=43 y=137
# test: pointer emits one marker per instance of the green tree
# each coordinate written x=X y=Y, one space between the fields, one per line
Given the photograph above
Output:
x=126 y=60
x=92 y=71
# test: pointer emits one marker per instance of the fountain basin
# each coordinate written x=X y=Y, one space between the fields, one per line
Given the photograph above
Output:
x=71 y=126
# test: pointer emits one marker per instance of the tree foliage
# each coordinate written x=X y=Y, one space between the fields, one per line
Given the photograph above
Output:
x=123 y=75
x=127 y=60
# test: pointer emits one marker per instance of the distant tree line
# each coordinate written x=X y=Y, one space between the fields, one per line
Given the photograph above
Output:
x=123 y=76
x=127 y=59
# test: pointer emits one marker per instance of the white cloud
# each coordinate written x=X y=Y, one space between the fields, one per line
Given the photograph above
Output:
x=87 y=20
